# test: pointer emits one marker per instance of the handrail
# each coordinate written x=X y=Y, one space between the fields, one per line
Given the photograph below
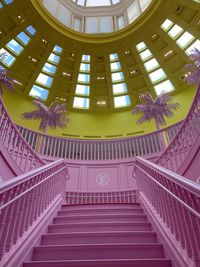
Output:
x=60 y=147
x=176 y=201
x=19 y=150
x=177 y=151
x=25 y=198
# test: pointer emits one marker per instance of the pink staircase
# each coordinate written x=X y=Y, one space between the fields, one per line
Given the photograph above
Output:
x=99 y=235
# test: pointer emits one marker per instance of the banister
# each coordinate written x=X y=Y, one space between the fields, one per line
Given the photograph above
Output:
x=19 y=150
x=170 y=175
x=26 y=198
x=177 y=151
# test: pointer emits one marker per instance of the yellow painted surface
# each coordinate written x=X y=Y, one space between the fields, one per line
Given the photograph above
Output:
x=99 y=125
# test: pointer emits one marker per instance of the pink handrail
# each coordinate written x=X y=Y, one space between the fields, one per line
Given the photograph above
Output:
x=19 y=150
x=58 y=147
x=176 y=202
x=176 y=153
x=24 y=199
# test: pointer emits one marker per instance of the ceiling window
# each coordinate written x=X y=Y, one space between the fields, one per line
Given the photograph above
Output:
x=183 y=39
x=165 y=86
x=121 y=101
x=16 y=46
x=45 y=78
x=81 y=102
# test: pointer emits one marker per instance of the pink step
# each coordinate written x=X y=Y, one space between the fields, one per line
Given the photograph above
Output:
x=101 y=206
x=102 y=263
x=93 y=211
x=104 y=237
x=99 y=227
x=100 y=218
x=98 y=251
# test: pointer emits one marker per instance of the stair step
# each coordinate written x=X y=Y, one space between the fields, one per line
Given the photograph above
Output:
x=101 y=206
x=103 y=237
x=99 y=227
x=98 y=251
x=121 y=211
x=101 y=218
x=102 y=263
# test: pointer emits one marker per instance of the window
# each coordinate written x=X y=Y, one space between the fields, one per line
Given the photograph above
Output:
x=141 y=46
x=117 y=76
x=81 y=102
x=44 y=80
x=145 y=55
x=175 y=31
x=85 y=78
x=9 y=60
x=49 y=68
x=39 y=92
x=82 y=89
x=121 y=101
x=167 y=24
x=185 y=39
x=113 y=57
x=151 y=64
x=115 y=66
x=23 y=37
x=85 y=67
x=14 y=47
x=119 y=88
x=166 y=86
x=54 y=58
x=157 y=75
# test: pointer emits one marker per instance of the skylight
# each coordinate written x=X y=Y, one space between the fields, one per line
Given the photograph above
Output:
x=96 y=3
x=165 y=86
x=39 y=92
x=122 y=101
x=81 y=102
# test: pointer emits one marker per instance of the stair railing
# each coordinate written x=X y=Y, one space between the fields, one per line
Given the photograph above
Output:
x=24 y=200
x=176 y=202
x=19 y=150
x=176 y=153
x=106 y=197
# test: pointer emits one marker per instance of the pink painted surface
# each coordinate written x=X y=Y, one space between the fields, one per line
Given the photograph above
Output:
x=99 y=235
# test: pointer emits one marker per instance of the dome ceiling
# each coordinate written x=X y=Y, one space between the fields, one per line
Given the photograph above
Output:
x=94 y=76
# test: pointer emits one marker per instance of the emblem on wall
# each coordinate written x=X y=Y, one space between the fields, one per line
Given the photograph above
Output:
x=102 y=179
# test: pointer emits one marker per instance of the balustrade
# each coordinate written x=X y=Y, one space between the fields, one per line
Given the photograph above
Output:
x=109 y=197
x=19 y=150
x=24 y=199
x=176 y=200
x=58 y=147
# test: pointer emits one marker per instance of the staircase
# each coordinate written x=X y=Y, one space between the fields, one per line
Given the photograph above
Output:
x=99 y=235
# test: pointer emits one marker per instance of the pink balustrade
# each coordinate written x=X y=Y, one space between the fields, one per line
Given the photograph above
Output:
x=58 y=147
x=176 y=154
x=114 y=197
x=24 y=199
x=19 y=150
x=176 y=201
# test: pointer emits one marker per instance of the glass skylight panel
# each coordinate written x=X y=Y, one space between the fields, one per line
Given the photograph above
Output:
x=8 y=2
x=113 y=57
x=85 y=58
x=146 y=54
x=82 y=89
x=57 y=49
x=119 y=88
x=77 y=24
x=39 y=92
x=151 y=64
x=141 y=46
x=84 y=67
x=106 y=24
x=144 y=4
x=196 y=44
x=23 y=37
x=54 y=58
x=122 y=101
x=167 y=24
x=15 y=46
x=117 y=76
x=185 y=39
x=49 y=68
x=9 y=59
x=133 y=11
x=31 y=30
x=175 y=31
x=165 y=86
x=98 y=3
x=44 y=79
x=81 y=102
x=83 y=78
x=115 y=66
x=121 y=22
x=157 y=75
x=81 y=2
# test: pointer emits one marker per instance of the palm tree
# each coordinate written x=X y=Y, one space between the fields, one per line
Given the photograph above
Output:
x=53 y=116
x=193 y=76
x=157 y=109
x=4 y=79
